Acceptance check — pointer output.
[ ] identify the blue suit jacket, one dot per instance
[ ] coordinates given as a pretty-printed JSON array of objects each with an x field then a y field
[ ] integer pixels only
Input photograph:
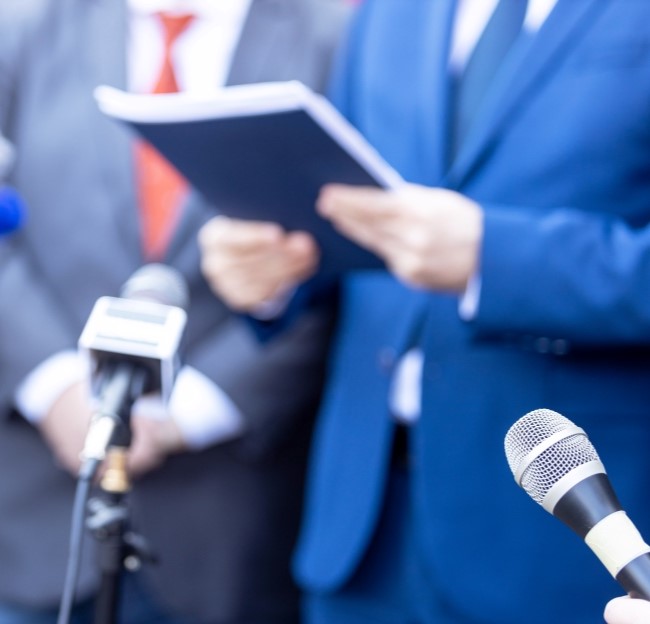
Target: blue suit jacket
[{"x": 560, "y": 160}]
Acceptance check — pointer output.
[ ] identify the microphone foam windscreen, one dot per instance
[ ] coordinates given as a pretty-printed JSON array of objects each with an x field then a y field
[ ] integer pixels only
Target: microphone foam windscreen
[
  {"x": 544, "y": 446},
  {"x": 12, "y": 210}
]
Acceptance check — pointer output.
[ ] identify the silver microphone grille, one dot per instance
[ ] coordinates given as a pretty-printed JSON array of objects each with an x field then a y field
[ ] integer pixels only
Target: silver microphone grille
[
  {"x": 542, "y": 447},
  {"x": 157, "y": 282}
]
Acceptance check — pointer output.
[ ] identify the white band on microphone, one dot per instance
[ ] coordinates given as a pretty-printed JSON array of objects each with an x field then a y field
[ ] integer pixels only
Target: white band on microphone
[
  {"x": 616, "y": 541},
  {"x": 569, "y": 481}
]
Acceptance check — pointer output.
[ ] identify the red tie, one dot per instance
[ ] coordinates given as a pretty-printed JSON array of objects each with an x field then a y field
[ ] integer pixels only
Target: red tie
[{"x": 160, "y": 187}]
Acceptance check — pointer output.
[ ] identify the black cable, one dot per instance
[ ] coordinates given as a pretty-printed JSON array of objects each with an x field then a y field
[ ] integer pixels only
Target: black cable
[{"x": 84, "y": 483}]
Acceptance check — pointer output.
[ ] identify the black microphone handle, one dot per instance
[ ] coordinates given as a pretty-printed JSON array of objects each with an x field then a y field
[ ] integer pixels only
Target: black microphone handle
[
  {"x": 583, "y": 507},
  {"x": 123, "y": 381},
  {"x": 587, "y": 503},
  {"x": 634, "y": 578}
]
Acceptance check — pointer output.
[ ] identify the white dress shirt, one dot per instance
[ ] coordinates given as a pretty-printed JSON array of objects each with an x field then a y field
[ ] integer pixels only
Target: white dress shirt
[
  {"x": 471, "y": 18},
  {"x": 202, "y": 56},
  {"x": 473, "y": 15}
]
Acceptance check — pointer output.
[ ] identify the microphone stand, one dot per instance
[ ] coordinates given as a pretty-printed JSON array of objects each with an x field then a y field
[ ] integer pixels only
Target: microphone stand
[{"x": 120, "y": 550}]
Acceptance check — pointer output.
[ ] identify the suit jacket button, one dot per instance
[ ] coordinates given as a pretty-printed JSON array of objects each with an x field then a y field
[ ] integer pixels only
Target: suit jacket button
[
  {"x": 542, "y": 345},
  {"x": 386, "y": 357},
  {"x": 560, "y": 346}
]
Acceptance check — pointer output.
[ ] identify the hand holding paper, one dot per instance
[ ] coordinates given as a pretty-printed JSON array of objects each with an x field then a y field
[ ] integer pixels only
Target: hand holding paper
[
  {"x": 429, "y": 237},
  {"x": 248, "y": 263},
  {"x": 261, "y": 152}
]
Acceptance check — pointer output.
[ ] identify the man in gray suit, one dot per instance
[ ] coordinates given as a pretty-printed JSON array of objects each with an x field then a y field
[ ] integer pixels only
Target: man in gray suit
[{"x": 220, "y": 475}]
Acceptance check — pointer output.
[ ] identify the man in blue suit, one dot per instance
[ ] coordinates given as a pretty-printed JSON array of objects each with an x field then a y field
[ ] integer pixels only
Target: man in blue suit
[{"x": 523, "y": 269}]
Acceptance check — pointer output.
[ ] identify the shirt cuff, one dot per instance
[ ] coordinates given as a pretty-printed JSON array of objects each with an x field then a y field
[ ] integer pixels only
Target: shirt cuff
[
  {"x": 38, "y": 392},
  {"x": 470, "y": 299},
  {"x": 203, "y": 412},
  {"x": 406, "y": 390},
  {"x": 271, "y": 309}
]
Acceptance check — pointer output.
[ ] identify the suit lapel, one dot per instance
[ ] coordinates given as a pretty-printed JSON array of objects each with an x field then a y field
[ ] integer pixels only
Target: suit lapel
[
  {"x": 434, "y": 114},
  {"x": 106, "y": 33},
  {"x": 522, "y": 74},
  {"x": 106, "y": 36},
  {"x": 269, "y": 22}
]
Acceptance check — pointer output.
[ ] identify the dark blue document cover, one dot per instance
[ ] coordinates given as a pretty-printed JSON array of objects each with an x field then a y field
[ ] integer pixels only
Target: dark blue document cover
[{"x": 269, "y": 165}]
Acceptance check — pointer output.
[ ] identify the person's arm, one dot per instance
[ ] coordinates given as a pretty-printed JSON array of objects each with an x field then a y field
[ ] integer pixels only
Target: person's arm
[
  {"x": 33, "y": 326},
  {"x": 274, "y": 383},
  {"x": 542, "y": 273},
  {"x": 429, "y": 237},
  {"x": 545, "y": 273},
  {"x": 55, "y": 398}
]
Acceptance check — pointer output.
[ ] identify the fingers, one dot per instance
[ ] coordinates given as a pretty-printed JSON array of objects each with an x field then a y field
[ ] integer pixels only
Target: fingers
[
  {"x": 428, "y": 237},
  {"x": 372, "y": 207},
  {"x": 243, "y": 237},
  {"x": 247, "y": 263},
  {"x": 335, "y": 199},
  {"x": 153, "y": 441},
  {"x": 368, "y": 216},
  {"x": 626, "y": 610}
]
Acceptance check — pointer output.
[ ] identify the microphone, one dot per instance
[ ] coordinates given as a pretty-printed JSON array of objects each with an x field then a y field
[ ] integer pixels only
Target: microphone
[
  {"x": 555, "y": 463},
  {"x": 131, "y": 343},
  {"x": 12, "y": 209}
]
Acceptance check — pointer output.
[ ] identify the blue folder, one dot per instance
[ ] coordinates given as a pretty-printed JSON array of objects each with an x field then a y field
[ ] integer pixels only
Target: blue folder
[{"x": 262, "y": 162}]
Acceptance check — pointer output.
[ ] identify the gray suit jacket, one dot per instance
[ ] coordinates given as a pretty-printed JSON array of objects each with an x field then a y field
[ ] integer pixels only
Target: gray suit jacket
[{"x": 222, "y": 521}]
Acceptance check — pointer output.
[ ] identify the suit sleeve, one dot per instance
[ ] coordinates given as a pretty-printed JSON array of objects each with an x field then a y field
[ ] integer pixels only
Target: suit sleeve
[
  {"x": 32, "y": 323},
  {"x": 275, "y": 382},
  {"x": 32, "y": 328},
  {"x": 565, "y": 274}
]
